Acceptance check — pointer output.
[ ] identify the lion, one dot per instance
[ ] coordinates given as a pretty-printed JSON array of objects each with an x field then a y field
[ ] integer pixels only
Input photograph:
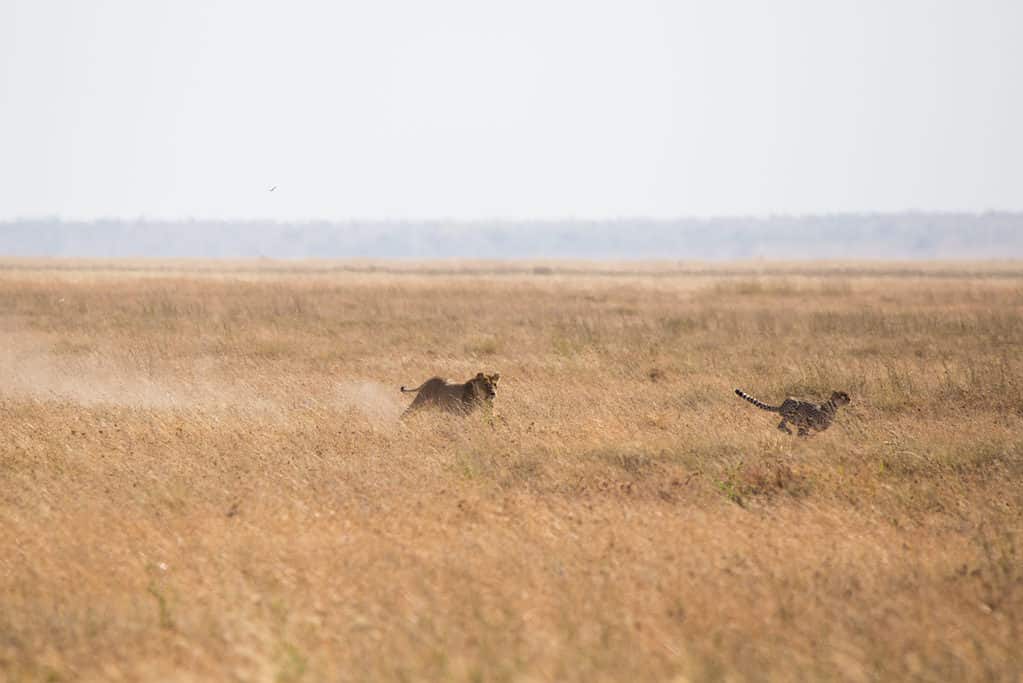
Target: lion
[{"x": 460, "y": 399}]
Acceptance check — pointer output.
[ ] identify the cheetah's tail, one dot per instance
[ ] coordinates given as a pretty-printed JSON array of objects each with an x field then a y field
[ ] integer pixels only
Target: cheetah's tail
[{"x": 758, "y": 404}]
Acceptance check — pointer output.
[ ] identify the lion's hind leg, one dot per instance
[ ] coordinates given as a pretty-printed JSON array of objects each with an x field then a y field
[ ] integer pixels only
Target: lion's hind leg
[{"x": 418, "y": 403}]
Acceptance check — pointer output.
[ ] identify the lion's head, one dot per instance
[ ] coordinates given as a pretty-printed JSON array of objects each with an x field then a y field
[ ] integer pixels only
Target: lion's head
[{"x": 484, "y": 387}]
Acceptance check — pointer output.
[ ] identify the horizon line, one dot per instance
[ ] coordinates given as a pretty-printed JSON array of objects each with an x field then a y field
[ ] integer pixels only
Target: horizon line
[{"x": 518, "y": 219}]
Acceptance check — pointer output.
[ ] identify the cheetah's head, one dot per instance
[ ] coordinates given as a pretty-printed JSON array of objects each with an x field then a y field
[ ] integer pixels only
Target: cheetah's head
[{"x": 840, "y": 398}]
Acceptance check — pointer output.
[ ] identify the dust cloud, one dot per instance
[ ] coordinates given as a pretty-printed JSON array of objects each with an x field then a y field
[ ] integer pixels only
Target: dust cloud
[
  {"x": 29, "y": 368},
  {"x": 379, "y": 403}
]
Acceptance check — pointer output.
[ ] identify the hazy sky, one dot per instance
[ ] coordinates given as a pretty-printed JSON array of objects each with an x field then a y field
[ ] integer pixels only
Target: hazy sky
[{"x": 475, "y": 109}]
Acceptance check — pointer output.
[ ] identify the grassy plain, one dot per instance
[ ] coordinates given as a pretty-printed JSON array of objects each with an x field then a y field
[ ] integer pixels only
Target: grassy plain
[{"x": 203, "y": 475}]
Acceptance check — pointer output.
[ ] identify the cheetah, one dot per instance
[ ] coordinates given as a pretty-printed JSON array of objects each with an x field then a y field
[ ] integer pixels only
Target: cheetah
[{"x": 804, "y": 414}]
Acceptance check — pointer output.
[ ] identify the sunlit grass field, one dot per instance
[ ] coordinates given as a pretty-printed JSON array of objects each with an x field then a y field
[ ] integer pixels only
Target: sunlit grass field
[{"x": 203, "y": 473}]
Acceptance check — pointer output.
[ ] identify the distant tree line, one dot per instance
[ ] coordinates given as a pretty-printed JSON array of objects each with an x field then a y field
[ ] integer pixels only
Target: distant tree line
[{"x": 838, "y": 236}]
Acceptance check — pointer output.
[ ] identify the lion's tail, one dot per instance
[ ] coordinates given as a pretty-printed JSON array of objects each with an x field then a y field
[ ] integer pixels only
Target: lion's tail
[{"x": 412, "y": 391}]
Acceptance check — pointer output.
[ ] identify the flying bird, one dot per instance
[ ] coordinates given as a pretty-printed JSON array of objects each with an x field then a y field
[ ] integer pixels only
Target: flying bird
[{"x": 272, "y": 188}]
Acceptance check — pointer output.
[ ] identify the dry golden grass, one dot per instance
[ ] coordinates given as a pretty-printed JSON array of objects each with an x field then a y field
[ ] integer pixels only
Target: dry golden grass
[{"x": 202, "y": 474}]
